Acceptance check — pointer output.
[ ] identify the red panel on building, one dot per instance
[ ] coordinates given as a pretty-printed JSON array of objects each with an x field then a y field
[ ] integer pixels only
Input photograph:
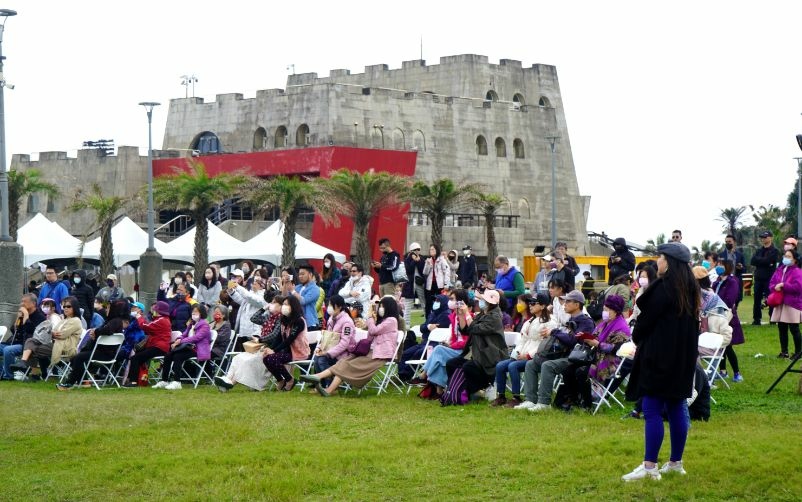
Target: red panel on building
[{"x": 322, "y": 161}]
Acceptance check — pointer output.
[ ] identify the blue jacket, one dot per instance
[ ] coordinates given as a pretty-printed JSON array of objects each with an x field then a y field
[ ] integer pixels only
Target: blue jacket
[
  {"x": 57, "y": 291},
  {"x": 310, "y": 293}
]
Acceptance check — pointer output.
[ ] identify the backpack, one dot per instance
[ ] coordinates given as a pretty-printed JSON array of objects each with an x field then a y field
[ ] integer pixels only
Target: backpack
[
  {"x": 300, "y": 346},
  {"x": 595, "y": 307},
  {"x": 456, "y": 394}
]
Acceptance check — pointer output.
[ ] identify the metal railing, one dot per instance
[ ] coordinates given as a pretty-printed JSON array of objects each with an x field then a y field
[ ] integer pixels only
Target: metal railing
[{"x": 418, "y": 218}]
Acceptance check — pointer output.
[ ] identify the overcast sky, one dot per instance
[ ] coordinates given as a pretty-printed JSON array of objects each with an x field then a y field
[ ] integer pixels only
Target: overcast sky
[{"x": 675, "y": 110}]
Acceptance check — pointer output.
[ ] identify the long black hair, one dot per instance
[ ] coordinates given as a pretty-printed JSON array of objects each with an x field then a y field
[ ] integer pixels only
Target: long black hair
[
  {"x": 390, "y": 309},
  {"x": 297, "y": 310},
  {"x": 682, "y": 284}
]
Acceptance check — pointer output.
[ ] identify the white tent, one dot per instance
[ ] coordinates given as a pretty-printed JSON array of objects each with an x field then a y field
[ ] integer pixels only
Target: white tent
[
  {"x": 42, "y": 240},
  {"x": 269, "y": 242},
  {"x": 130, "y": 241},
  {"x": 222, "y": 247}
]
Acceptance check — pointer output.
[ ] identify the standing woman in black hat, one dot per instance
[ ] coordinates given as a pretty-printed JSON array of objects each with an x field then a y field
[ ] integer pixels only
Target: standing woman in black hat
[{"x": 666, "y": 334}]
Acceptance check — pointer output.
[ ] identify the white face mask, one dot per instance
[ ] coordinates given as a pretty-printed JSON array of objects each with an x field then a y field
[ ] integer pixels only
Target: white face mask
[
  {"x": 327, "y": 263},
  {"x": 643, "y": 281},
  {"x": 466, "y": 252},
  {"x": 179, "y": 281},
  {"x": 245, "y": 269},
  {"x": 330, "y": 310},
  {"x": 381, "y": 311},
  {"x": 46, "y": 310},
  {"x": 196, "y": 317},
  {"x": 286, "y": 310},
  {"x": 452, "y": 304}
]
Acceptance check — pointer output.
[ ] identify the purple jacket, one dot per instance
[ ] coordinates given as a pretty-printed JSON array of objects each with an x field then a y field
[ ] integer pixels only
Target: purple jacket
[
  {"x": 792, "y": 285},
  {"x": 202, "y": 339},
  {"x": 337, "y": 324},
  {"x": 728, "y": 291}
]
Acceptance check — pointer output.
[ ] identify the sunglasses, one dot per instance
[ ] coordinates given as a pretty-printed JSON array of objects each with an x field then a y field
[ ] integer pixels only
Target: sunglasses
[
  {"x": 66, "y": 306},
  {"x": 675, "y": 237}
]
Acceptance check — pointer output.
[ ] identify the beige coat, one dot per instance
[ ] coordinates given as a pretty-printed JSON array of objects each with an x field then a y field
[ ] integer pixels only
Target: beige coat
[{"x": 66, "y": 345}]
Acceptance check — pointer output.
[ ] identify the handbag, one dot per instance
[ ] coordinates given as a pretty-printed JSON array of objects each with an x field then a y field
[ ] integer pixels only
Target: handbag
[
  {"x": 362, "y": 347},
  {"x": 419, "y": 280},
  {"x": 582, "y": 354},
  {"x": 328, "y": 340},
  {"x": 400, "y": 274},
  {"x": 552, "y": 348},
  {"x": 259, "y": 317},
  {"x": 252, "y": 347},
  {"x": 775, "y": 298}
]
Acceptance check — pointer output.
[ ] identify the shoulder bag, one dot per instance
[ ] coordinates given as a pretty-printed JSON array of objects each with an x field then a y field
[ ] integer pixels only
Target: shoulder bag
[{"x": 582, "y": 354}]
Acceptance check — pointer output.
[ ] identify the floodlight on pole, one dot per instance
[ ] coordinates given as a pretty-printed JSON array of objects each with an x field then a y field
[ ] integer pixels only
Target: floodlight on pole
[
  {"x": 150, "y": 261},
  {"x": 149, "y": 106},
  {"x": 4, "y": 230}
]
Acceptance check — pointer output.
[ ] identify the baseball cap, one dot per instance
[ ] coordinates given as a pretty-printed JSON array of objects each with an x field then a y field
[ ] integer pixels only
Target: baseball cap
[
  {"x": 574, "y": 296},
  {"x": 765, "y": 234},
  {"x": 238, "y": 272},
  {"x": 490, "y": 296},
  {"x": 414, "y": 246}
]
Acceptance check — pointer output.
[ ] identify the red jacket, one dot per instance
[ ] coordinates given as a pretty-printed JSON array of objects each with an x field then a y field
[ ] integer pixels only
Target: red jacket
[{"x": 159, "y": 333}]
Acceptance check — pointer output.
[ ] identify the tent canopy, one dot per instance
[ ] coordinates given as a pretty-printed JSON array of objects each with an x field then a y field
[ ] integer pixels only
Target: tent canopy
[
  {"x": 222, "y": 247},
  {"x": 269, "y": 241},
  {"x": 44, "y": 240},
  {"x": 130, "y": 241}
]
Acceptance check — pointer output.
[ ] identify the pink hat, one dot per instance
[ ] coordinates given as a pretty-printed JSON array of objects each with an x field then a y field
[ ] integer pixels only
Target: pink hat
[{"x": 490, "y": 296}]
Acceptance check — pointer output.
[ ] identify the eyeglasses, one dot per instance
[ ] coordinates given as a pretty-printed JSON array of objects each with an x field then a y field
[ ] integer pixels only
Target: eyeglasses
[
  {"x": 675, "y": 237},
  {"x": 66, "y": 306}
]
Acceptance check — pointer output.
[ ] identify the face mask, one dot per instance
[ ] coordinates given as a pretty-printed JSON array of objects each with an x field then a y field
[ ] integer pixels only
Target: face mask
[
  {"x": 787, "y": 261},
  {"x": 180, "y": 297},
  {"x": 552, "y": 265},
  {"x": 482, "y": 304},
  {"x": 436, "y": 305},
  {"x": 706, "y": 264},
  {"x": 218, "y": 316},
  {"x": 720, "y": 270},
  {"x": 98, "y": 307},
  {"x": 643, "y": 281},
  {"x": 788, "y": 247},
  {"x": 728, "y": 246},
  {"x": 452, "y": 304},
  {"x": 499, "y": 271},
  {"x": 452, "y": 257},
  {"x": 520, "y": 307},
  {"x": 466, "y": 252},
  {"x": 327, "y": 263},
  {"x": 354, "y": 314},
  {"x": 110, "y": 283},
  {"x": 179, "y": 281},
  {"x": 76, "y": 280},
  {"x": 286, "y": 310},
  {"x": 245, "y": 269},
  {"x": 330, "y": 310},
  {"x": 471, "y": 295},
  {"x": 605, "y": 315},
  {"x": 385, "y": 252},
  {"x": 381, "y": 311},
  {"x": 46, "y": 310},
  {"x": 196, "y": 317}
]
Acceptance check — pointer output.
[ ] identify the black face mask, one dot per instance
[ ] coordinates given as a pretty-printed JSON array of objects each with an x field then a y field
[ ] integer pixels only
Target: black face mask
[
  {"x": 180, "y": 297},
  {"x": 385, "y": 252},
  {"x": 729, "y": 246}
]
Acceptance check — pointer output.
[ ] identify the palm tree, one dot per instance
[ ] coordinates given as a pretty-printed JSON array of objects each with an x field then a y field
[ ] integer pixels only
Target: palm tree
[
  {"x": 699, "y": 252},
  {"x": 290, "y": 195},
  {"x": 106, "y": 210},
  {"x": 359, "y": 196},
  {"x": 489, "y": 205},
  {"x": 438, "y": 199},
  {"x": 770, "y": 218},
  {"x": 197, "y": 193},
  {"x": 731, "y": 217},
  {"x": 651, "y": 244},
  {"x": 22, "y": 184}
]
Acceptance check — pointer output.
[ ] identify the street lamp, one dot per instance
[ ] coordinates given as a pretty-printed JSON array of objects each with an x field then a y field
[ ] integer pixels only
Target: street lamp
[
  {"x": 553, "y": 141},
  {"x": 150, "y": 261},
  {"x": 798, "y": 196},
  {"x": 10, "y": 252}
]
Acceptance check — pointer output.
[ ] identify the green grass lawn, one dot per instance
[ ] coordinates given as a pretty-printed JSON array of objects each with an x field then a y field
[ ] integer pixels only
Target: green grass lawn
[{"x": 203, "y": 445}]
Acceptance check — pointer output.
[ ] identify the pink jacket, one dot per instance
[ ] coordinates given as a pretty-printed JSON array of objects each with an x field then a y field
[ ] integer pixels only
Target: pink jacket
[
  {"x": 202, "y": 338},
  {"x": 386, "y": 337},
  {"x": 458, "y": 340},
  {"x": 792, "y": 285},
  {"x": 338, "y": 324}
]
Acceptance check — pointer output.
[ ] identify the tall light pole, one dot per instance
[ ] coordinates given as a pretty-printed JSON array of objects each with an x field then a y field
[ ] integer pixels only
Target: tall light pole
[
  {"x": 10, "y": 252},
  {"x": 150, "y": 261},
  {"x": 798, "y": 196},
  {"x": 553, "y": 141}
]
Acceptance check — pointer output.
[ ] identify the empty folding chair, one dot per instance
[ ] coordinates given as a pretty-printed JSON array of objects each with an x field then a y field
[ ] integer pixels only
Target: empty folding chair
[
  {"x": 113, "y": 342},
  {"x": 436, "y": 337},
  {"x": 713, "y": 342}
]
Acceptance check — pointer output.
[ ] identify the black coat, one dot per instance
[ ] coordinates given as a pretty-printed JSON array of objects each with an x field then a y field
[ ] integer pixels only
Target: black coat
[
  {"x": 85, "y": 295},
  {"x": 667, "y": 346}
]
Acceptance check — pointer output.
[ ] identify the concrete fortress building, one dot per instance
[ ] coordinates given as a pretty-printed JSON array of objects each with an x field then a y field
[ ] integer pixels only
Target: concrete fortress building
[{"x": 465, "y": 119}]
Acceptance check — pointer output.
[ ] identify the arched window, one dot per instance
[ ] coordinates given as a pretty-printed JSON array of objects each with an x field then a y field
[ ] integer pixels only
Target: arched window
[
  {"x": 280, "y": 138},
  {"x": 302, "y": 135},
  {"x": 544, "y": 101},
  {"x": 518, "y": 99},
  {"x": 51, "y": 204},
  {"x": 206, "y": 142},
  {"x": 418, "y": 140},
  {"x": 501, "y": 148},
  {"x": 399, "y": 143},
  {"x": 491, "y": 96},
  {"x": 481, "y": 145},
  {"x": 259, "y": 139},
  {"x": 518, "y": 148}
]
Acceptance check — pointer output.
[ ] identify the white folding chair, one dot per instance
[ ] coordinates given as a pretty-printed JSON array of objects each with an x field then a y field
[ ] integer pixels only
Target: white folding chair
[
  {"x": 714, "y": 343},
  {"x": 608, "y": 391},
  {"x": 388, "y": 374},
  {"x": 511, "y": 338},
  {"x": 306, "y": 366},
  {"x": 201, "y": 367},
  {"x": 222, "y": 367},
  {"x": 436, "y": 337},
  {"x": 114, "y": 342}
]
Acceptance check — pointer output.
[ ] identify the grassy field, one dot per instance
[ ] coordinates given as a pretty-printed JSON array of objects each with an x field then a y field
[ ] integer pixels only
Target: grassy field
[{"x": 203, "y": 445}]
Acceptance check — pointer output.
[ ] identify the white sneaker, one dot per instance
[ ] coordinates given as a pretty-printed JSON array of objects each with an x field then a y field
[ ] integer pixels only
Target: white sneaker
[
  {"x": 540, "y": 407},
  {"x": 176, "y": 385},
  {"x": 642, "y": 472},
  {"x": 677, "y": 467},
  {"x": 160, "y": 385},
  {"x": 526, "y": 405}
]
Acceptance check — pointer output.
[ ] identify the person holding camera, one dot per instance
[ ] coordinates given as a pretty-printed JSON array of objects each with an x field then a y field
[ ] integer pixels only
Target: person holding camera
[
  {"x": 415, "y": 286},
  {"x": 552, "y": 358},
  {"x": 621, "y": 261}
]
